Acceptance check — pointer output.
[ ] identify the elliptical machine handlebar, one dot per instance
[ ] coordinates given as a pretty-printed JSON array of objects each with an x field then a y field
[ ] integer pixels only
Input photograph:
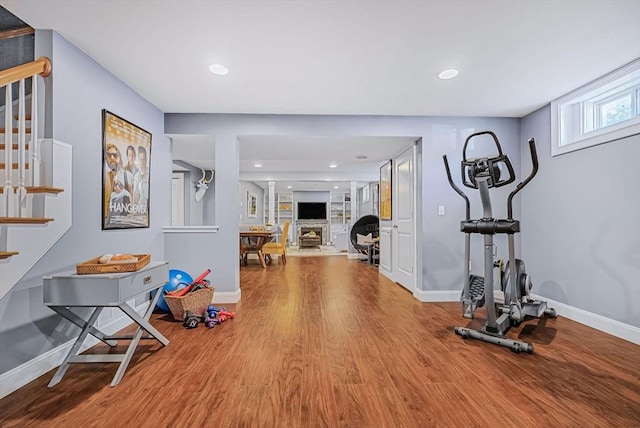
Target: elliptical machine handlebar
[
  {"x": 519, "y": 187},
  {"x": 456, "y": 188},
  {"x": 495, "y": 140}
]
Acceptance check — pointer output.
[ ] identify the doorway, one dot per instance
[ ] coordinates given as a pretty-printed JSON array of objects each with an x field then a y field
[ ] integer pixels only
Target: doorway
[{"x": 398, "y": 255}]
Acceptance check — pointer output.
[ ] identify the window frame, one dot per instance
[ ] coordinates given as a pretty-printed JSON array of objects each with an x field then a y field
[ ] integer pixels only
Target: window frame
[{"x": 576, "y": 115}]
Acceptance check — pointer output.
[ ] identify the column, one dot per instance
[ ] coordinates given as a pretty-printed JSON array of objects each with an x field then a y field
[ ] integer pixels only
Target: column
[
  {"x": 223, "y": 253},
  {"x": 354, "y": 203},
  {"x": 272, "y": 202}
]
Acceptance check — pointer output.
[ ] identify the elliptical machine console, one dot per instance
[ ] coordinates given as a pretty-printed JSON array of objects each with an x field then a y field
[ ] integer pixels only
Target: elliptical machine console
[{"x": 484, "y": 173}]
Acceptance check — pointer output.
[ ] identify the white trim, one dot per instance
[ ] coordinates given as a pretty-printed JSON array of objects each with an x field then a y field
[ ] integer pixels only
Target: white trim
[
  {"x": 34, "y": 241},
  {"x": 604, "y": 324},
  {"x": 227, "y": 296},
  {"x": 437, "y": 295},
  {"x": 20, "y": 376},
  {"x": 190, "y": 229}
]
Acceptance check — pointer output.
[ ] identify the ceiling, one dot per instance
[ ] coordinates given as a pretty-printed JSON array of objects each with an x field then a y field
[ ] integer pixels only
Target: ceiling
[{"x": 367, "y": 57}]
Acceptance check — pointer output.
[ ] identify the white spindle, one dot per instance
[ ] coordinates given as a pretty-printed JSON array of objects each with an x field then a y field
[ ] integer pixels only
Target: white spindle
[
  {"x": 8, "y": 153},
  {"x": 22, "y": 154},
  {"x": 35, "y": 144}
]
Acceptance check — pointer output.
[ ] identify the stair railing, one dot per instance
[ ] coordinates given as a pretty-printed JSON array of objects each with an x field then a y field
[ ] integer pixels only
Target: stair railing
[{"x": 14, "y": 201}]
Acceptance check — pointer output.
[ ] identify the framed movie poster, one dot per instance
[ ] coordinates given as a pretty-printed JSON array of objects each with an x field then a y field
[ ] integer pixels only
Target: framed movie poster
[
  {"x": 385, "y": 191},
  {"x": 126, "y": 150}
]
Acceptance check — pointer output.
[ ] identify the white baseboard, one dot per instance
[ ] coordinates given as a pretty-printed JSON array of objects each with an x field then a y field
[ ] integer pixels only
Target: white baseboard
[
  {"x": 227, "y": 296},
  {"x": 607, "y": 325},
  {"x": 437, "y": 295},
  {"x": 604, "y": 324},
  {"x": 31, "y": 370}
]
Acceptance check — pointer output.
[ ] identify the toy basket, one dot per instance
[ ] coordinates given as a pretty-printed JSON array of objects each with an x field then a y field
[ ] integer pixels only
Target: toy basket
[{"x": 195, "y": 301}]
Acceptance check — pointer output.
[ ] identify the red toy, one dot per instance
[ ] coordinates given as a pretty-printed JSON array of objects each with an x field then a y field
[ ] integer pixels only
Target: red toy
[
  {"x": 231, "y": 315},
  {"x": 198, "y": 282}
]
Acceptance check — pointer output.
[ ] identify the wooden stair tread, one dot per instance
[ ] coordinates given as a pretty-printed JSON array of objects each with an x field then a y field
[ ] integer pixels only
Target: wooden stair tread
[
  {"x": 14, "y": 131},
  {"x": 7, "y": 254},
  {"x": 38, "y": 189},
  {"x": 13, "y": 165},
  {"x": 26, "y": 118},
  {"x": 14, "y": 146},
  {"x": 24, "y": 220}
]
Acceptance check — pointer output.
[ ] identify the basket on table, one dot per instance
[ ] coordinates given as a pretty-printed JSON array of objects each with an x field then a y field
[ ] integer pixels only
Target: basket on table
[{"x": 195, "y": 301}]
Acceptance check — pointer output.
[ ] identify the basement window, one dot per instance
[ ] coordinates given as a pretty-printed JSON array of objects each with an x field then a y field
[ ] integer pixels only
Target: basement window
[{"x": 602, "y": 111}]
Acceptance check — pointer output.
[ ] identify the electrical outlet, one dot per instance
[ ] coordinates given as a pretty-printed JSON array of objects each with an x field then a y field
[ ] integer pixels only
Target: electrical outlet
[{"x": 440, "y": 209}]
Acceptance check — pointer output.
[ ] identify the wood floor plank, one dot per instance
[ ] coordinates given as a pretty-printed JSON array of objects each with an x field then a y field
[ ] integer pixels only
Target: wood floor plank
[{"x": 328, "y": 342}]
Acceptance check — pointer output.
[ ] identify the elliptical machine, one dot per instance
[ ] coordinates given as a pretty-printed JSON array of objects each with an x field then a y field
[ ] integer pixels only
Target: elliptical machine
[{"x": 485, "y": 173}]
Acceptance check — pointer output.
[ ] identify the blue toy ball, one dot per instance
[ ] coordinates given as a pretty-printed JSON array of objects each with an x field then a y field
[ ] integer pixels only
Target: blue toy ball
[{"x": 177, "y": 279}]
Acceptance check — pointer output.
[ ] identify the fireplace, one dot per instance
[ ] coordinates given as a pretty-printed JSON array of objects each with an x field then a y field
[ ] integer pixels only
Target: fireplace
[
  {"x": 321, "y": 231},
  {"x": 316, "y": 230}
]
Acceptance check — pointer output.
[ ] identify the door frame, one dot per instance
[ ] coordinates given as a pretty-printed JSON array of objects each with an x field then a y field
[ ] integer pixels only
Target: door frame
[{"x": 388, "y": 261}]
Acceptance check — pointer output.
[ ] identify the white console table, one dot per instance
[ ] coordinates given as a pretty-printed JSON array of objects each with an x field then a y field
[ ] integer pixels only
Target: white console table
[{"x": 66, "y": 290}]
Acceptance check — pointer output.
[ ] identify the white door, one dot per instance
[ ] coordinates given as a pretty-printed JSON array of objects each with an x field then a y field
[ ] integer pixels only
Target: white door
[
  {"x": 403, "y": 233},
  {"x": 385, "y": 266},
  {"x": 177, "y": 199}
]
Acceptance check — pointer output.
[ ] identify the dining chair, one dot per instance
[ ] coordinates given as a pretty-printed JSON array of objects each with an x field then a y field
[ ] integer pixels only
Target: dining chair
[{"x": 279, "y": 248}]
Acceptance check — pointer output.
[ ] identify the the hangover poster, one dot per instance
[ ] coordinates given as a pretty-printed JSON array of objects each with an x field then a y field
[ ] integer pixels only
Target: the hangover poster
[{"x": 126, "y": 169}]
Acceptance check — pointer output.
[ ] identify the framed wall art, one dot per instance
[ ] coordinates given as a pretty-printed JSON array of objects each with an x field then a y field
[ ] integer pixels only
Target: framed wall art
[
  {"x": 385, "y": 191},
  {"x": 126, "y": 153},
  {"x": 252, "y": 205}
]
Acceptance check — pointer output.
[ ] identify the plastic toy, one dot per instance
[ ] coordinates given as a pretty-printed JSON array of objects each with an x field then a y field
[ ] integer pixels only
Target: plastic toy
[
  {"x": 191, "y": 320},
  {"x": 193, "y": 285},
  {"x": 231, "y": 315},
  {"x": 177, "y": 279}
]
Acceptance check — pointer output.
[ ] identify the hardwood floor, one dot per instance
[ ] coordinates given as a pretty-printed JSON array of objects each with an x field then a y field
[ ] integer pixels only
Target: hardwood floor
[{"x": 327, "y": 342}]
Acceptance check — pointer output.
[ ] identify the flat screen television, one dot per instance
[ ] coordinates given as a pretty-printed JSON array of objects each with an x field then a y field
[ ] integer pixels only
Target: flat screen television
[{"x": 312, "y": 210}]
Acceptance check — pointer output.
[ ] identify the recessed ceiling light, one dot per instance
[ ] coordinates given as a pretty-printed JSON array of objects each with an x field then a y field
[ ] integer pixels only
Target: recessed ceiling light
[
  {"x": 218, "y": 69},
  {"x": 361, "y": 157},
  {"x": 336, "y": 187},
  {"x": 448, "y": 74},
  {"x": 289, "y": 187},
  {"x": 333, "y": 165},
  {"x": 257, "y": 165}
]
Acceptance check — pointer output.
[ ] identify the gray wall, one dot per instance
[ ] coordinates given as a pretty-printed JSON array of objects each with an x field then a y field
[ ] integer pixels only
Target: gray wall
[
  {"x": 442, "y": 245},
  {"x": 197, "y": 213},
  {"x": 365, "y": 208},
  {"x": 580, "y": 224},
  {"x": 249, "y": 186},
  {"x": 80, "y": 89}
]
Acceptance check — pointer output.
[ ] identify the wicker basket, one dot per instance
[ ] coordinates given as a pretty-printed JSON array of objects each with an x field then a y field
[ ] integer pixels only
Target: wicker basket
[
  {"x": 93, "y": 266},
  {"x": 196, "y": 302}
]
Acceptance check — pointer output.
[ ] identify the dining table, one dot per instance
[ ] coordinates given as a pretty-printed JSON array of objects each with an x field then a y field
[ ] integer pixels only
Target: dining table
[{"x": 261, "y": 238}]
